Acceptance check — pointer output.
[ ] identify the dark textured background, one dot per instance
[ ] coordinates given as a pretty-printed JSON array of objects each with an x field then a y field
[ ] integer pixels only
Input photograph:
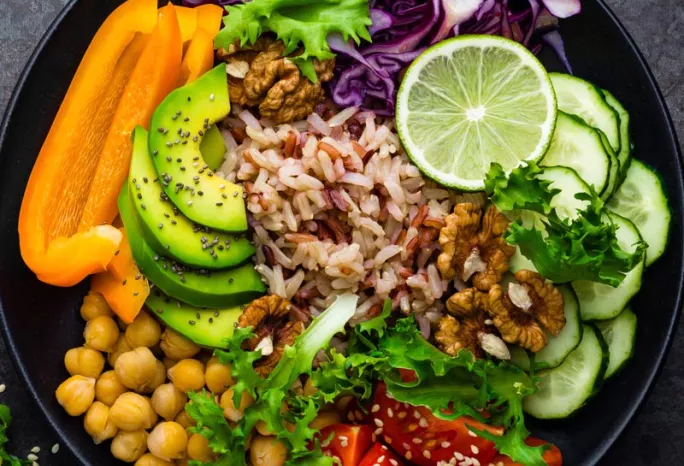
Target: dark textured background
[{"x": 657, "y": 435}]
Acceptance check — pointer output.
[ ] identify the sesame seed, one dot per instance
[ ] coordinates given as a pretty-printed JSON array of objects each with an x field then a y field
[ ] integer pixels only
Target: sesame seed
[
  {"x": 472, "y": 434},
  {"x": 31, "y": 457},
  {"x": 350, "y": 416},
  {"x": 401, "y": 415},
  {"x": 423, "y": 422},
  {"x": 408, "y": 455},
  {"x": 211, "y": 97},
  {"x": 446, "y": 444},
  {"x": 381, "y": 459},
  {"x": 417, "y": 440},
  {"x": 390, "y": 413},
  {"x": 35, "y": 449},
  {"x": 378, "y": 422},
  {"x": 378, "y": 431},
  {"x": 393, "y": 462},
  {"x": 3, "y": 387},
  {"x": 417, "y": 415},
  {"x": 426, "y": 453},
  {"x": 474, "y": 449},
  {"x": 375, "y": 408},
  {"x": 458, "y": 456},
  {"x": 406, "y": 446},
  {"x": 388, "y": 440},
  {"x": 476, "y": 462}
]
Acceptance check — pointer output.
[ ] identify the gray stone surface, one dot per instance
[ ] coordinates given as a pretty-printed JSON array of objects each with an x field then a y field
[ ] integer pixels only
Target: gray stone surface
[{"x": 656, "y": 438}]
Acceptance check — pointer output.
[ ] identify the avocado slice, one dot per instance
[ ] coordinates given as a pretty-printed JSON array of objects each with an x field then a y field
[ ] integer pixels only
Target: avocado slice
[
  {"x": 213, "y": 148},
  {"x": 177, "y": 128},
  {"x": 206, "y": 327},
  {"x": 228, "y": 287},
  {"x": 170, "y": 232}
]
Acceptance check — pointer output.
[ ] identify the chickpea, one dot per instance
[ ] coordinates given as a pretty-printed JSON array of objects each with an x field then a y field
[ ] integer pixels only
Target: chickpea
[
  {"x": 176, "y": 346},
  {"x": 132, "y": 412},
  {"x": 144, "y": 331},
  {"x": 129, "y": 446},
  {"x": 169, "y": 363},
  {"x": 185, "y": 419},
  {"x": 108, "y": 388},
  {"x": 325, "y": 419},
  {"x": 168, "y": 401},
  {"x": 198, "y": 448},
  {"x": 98, "y": 424},
  {"x": 187, "y": 375},
  {"x": 168, "y": 441},
  {"x": 101, "y": 334},
  {"x": 148, "y": 459},
  {"x": 159, "y": 378},
  {"x": 217, "y": 376},
  {"x": 136, "y": 368},
  {"x": 267, "y": 451},
  {"x": 228, "y": 405},
  {"x": 120, "y": 348},
  {"x": 95, "y": 305},
  {"x": 84, "y": 361},
  {"x": 76, "y": 394}
]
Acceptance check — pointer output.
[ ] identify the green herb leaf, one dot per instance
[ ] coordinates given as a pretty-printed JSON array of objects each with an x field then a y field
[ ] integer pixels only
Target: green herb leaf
[
  {"x": 5, "y": 457},
  {"x": 562, "y": 250},
  {"x": 300, "y": 24}
]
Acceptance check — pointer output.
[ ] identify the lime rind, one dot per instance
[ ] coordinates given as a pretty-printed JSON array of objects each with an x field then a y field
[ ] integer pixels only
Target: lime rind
[{"x": 473, "y": 100}]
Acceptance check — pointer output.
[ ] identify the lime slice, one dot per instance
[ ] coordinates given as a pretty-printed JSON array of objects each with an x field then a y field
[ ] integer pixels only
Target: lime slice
[{"x": 473, "y": 100}]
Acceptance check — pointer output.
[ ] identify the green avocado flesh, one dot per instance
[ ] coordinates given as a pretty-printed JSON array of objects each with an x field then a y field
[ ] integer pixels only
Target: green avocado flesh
[
  {"x": 170, "y": 232},
  {"x": 213, "y": 148},
  {"x": 206, "y": 327},
  {"x": 197, "y": 287},
  {"x": 176, "y": 131}
]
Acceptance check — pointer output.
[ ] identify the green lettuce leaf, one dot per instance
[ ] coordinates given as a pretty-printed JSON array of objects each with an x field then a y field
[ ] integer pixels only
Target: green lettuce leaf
[
  {"x": 5, "y": 457},
  {"x": 562, "y": 250},
  {"x": 300, "y": 24}
]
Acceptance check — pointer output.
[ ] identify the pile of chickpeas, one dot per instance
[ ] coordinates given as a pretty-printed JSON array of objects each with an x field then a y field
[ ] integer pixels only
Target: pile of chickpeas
[{"x": 139, "y": 403}]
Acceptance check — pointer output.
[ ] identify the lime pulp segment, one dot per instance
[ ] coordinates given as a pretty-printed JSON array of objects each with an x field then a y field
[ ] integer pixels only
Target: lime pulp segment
[{"x": 471, "y": 101}]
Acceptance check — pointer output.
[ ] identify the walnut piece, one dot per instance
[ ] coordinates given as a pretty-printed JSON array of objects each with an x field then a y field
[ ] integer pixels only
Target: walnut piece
[
  {"x": 259, "y": 75},
  {"x": 467, "y": 303},
  {"x": 453, "y": 335},
  {"x": 268, "y": 318},
  {"x": 473, "y": 246},
  {"x": 527, "y": 310}
]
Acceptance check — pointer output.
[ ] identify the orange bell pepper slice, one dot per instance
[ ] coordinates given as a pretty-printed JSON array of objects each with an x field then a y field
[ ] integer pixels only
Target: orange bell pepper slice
[
  {"x": 209, "y": 18},
  {"x": 198, "y": 59},
  {"x": 59, "y": 185},
  {"x": 154, "y": 76},
  {"x": 123, "y": 286}
]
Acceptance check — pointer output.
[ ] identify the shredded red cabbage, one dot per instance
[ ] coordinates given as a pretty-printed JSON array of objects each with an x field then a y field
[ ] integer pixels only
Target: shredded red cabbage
[{"x": 368, "y": 76}]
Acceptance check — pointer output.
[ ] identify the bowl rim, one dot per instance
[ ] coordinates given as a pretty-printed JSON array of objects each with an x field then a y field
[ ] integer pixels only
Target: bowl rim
[{"x": 607, "y": 442}]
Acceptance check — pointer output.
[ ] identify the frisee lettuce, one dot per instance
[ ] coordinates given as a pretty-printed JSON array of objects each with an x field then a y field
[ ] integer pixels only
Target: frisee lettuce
[
  {"x": 300, "y": 24},
  {"x": 5, "y": 421},
  {"x": 271, "y": 393},
  {"x": 563, "y": 250}
]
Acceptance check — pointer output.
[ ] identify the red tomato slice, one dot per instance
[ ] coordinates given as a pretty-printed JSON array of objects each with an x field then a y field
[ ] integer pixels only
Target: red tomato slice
[
  {"x": 380, "y": 455},
  {"x": 552, "y": 456},
  {"x": 424, "y": 439},
  {"x": 348, "y": 443}
]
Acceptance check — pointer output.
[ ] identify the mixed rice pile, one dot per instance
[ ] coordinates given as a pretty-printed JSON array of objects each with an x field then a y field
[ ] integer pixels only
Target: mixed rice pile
[{"x": 337, "y": 207}]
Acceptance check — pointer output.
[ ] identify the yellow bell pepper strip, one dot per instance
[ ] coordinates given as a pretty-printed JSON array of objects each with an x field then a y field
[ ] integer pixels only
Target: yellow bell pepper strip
[
  {"x": 198, "y": 59},
  {"x": 154, "y": 76},
  {"x": 209, "y": 18},
  {"x": 59, "y": 185},
  {"x": 123, "y": 286}
]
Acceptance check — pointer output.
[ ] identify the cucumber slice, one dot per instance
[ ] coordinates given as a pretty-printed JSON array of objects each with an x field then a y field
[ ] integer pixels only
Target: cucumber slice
[
  {"x": 641, "y": 198},
  {"x": 603, "y": 302},
  {"x": 580, "y": 147},
  {"x": 614, "y": 173},
  {"x": 620, "y": 335},
  {"x": 558, "y": 347},
  {"x": 625, "y": 154},
  {"x": 566, "y": 388},
  {"x": 581, "y": 98}
]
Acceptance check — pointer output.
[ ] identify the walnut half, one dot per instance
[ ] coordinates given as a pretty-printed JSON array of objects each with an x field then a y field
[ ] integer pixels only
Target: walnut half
[
  {"x": 259, "y": 75},
  {"x": 268, "y": 318},
  {"x": 526, "y": 310}
]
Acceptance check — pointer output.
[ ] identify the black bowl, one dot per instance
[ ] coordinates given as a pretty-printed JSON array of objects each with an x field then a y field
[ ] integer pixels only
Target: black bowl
[{"x": 41, "y": 322}]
